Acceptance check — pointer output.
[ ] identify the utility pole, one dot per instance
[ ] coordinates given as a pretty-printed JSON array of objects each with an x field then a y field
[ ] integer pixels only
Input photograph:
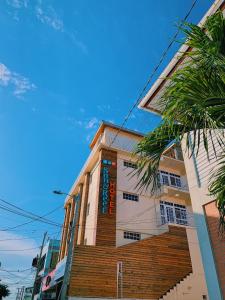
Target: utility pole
[
  {"x": 63, "y": 291},
  {"x": 20, "y": 293},
  {"x": 38, "y": 264}
]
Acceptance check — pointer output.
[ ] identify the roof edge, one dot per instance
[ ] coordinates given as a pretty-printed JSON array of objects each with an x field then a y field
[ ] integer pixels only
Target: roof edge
[{"x": 156, "y": 87}]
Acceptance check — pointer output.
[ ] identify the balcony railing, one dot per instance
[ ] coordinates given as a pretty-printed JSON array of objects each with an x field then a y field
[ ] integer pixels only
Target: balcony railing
[
  {"x": 174, "y": 153},
  {"x": 172, "y": 213},
  {"x": 182, "y": 187}
]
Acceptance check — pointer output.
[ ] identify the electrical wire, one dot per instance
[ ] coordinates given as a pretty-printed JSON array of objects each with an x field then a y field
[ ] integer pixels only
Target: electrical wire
[
  {"x": 15, "y": 250},
  {"x": 25, "y": 213},
  {"x": 32, "y": 221},
  {"x": 15, "y": 271},
  {"x": 22, "y": 279},
  {"x": 4, "y": 240},
  {"x": 139, "y": 98},
  {"x": 12, "y": 273}
]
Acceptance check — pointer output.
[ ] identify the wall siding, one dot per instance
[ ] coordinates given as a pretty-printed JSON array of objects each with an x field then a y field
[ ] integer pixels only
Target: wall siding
[
  {"x": 106, "y": 222},
  {"x": 150, "y": 267}
]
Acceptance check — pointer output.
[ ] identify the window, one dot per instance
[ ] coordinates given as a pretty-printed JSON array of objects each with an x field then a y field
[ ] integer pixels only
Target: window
[
  {"x": 131, "y": 197},
  {"x": 90, "y": 178},
  {"x": 54, "y": 259},
  {"x": 132, "y": 235},
  {"x": 88, "y": 209},
  {"x": 173, "y": 213},
  {"x": 129, "y": 164},
  {"x": 170, "y": 179}
]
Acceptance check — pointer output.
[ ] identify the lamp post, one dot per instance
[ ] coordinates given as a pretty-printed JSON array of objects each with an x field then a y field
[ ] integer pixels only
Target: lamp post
[{"x": 63, "y": 290}]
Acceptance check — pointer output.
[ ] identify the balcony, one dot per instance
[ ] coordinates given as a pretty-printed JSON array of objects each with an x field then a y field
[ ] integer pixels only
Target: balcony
[
  {"x": 173, "y": 159},
  {"x": 181, "y": 192},
  {"x": 171, "y": 213}
]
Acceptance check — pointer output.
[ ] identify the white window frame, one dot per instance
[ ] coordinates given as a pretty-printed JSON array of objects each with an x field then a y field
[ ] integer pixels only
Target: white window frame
[
  {"x": 173, "y": 213},
  {"x": 170, "y": 179}
]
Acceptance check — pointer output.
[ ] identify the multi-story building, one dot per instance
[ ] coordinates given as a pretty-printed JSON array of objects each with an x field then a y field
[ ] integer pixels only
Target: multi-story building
[
  {"x": 129, "y": 243},
  {"x": 43, "y": 286},
  {"x": 198, "y": 169},
  {"x": 28, "y": 293}
]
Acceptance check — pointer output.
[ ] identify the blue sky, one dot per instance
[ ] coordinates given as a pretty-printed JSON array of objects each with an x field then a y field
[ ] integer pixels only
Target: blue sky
[{"x": 65, "y": 66}]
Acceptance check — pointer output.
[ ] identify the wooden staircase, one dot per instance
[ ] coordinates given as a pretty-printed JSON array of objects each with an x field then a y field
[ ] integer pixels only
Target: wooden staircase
[
  {"x": 173, "y": 293},
  {"x": 151, "y": 267}
]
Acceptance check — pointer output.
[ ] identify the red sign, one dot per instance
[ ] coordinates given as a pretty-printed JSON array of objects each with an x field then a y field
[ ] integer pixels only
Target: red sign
[{"x": 48, "y": 281}]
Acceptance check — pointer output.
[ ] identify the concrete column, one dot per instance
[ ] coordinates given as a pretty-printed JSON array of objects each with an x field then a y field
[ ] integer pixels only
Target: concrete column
[
  {"x": 66, "y": 228},
  {"x": 83, "y": 208}
]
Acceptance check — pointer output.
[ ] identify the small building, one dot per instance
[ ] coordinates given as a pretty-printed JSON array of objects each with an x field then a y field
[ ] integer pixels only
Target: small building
[
  {"x": 47, "y": 264},
  {"x": 129, "y": 243},
  {"x": 28, "y": 293}
]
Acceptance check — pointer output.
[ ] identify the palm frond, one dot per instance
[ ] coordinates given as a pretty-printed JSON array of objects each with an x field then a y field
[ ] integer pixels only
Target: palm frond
[
  {"x": 193, "y": 107},
  {"x": 150, "y": 150}
]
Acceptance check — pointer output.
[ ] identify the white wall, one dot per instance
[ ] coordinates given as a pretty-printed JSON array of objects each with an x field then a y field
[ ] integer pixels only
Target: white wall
[
  {"x": 91, "y": 220},
  {"x": 198, "y": 171},
  {"x": 123, "y": 140},
  {"x": 142, "y": 216}
]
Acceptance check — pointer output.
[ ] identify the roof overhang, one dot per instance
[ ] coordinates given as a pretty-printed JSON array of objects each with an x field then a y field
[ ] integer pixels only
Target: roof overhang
[
  {"x": 105, "y": 124},
  {"x": 149, "y": 102}
]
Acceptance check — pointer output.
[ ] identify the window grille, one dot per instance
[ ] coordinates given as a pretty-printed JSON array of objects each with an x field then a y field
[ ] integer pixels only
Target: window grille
[
  {"x": 131, "y": 197},
  {"x": 129, "y": 164},
  {"x": 173, "y": 213},
  {"x": 132, "y": 235},
  {"x": 170, "y": 179}
]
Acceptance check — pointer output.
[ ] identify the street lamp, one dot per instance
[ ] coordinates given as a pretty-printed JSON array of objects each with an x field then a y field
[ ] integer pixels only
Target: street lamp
[
  {"x": 61, "y": 193},
  {"x": 76, "y": 199}
]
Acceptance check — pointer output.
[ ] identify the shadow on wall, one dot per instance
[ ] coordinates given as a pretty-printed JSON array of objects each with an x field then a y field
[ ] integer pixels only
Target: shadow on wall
[{"x": 217, "y": 241}]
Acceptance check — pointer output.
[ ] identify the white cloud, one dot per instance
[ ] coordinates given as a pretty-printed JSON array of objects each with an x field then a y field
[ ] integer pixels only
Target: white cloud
[
  {"x": 103, "y": 107},
  {"x": 88, "y": 138},
  {"x": 75, "y": 122},
  {"x": 13, "y": 260},
  {"x": 5, "y": 75},
  {"x": 49, "y": 17},
  {"x": 82, "y": 110},
  {"x": 77, "y": 42},
  {"x": 19, "y": 83},
  {"x": 18, "y": 3},
  {"x": 15, "y": 242},
  {"x": 92, "y": 123}
]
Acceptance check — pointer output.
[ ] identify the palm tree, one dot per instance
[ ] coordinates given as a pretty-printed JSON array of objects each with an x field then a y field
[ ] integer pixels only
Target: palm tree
[
  {"x": 192, "y": 106},
  {"x": 4, "y": 291}
]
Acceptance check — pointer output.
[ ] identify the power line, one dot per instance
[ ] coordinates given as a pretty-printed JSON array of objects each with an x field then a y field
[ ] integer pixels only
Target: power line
[
  {"x": 4, "y": 240},
  {"x": 15, "y": 271},
  {"x": 25, "y": 211},
  {"x": 21, "y": 212},
  {"x": 26, "y": 216},
  {"x": 152, "y": 75},
  {"x": 148, "y": 81},
  {"x": 22, "y": 279},
  {"x": 26, "y": 223},
  {"x": 12, "y": 273},
  {"x": 15, "y": 250}
]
